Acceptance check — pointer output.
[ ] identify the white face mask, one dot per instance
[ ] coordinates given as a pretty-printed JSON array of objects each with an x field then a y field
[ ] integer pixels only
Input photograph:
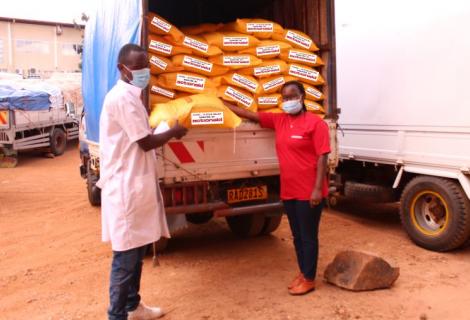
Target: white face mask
[{"x": 292, "y": 106}]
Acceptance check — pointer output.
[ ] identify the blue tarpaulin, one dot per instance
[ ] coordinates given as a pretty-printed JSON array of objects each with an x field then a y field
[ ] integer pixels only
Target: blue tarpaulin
[
  {"x": 21, "y": 99},
  {"x": 112, "y": 25}
]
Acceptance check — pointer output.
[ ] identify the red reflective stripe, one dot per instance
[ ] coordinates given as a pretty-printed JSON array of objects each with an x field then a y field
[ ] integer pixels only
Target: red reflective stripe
[
  {"x": 181, "y": 152},
  {"x": 201, "y": 144}
]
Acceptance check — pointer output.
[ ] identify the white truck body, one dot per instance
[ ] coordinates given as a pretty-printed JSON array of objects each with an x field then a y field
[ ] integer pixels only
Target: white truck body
[{"x": 402, "y": 77}]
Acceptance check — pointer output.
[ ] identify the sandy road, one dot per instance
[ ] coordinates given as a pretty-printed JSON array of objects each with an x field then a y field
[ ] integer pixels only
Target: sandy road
[{"x": 53, "y": 265}]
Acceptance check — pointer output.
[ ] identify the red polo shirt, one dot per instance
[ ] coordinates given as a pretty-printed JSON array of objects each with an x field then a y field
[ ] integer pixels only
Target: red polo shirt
[{"x": 300, "y": 141}]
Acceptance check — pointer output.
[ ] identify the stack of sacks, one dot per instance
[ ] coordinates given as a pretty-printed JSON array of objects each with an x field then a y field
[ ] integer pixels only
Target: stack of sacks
[{"x": 244, "y": 62}]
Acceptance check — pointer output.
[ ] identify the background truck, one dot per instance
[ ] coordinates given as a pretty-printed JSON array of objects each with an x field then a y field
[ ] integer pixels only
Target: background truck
[
  {"x": 404, "y": 135},
  {"x": 210, "y": 172}
]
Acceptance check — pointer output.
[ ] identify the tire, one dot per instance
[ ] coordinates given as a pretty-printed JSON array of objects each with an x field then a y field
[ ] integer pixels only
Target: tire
[
  {"x": 94, "y": 193},
  {"x": 369, "y": 192},
  {"x": 199, "y": 218},
  {"x": 58, "y": 142},
  {"x": 271, "y": 223},
  {"x": 246, "y": 225},
  {"x": 435, "y": 213}
]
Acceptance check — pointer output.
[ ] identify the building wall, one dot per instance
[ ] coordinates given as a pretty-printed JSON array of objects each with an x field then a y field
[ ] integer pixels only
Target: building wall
[{"x": 26, "y": 46}]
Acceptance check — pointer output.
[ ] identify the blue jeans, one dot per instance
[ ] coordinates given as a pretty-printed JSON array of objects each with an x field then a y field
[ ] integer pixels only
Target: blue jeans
[
  {"x": 126, "y": 270},
  {"x": 304, "y": 221}
]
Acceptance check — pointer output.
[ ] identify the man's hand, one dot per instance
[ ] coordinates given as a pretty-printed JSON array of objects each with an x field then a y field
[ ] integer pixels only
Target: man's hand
[
  {"x": 178, "y": 131},
  {"x": 316, "y": 198}
]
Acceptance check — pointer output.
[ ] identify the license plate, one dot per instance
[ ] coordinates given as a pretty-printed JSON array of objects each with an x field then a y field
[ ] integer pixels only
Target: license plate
[{"x": 247, "y": 194}]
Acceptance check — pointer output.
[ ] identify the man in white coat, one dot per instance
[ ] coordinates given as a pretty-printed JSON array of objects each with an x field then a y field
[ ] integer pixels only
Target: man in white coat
[{"x": 132, "y": 206}]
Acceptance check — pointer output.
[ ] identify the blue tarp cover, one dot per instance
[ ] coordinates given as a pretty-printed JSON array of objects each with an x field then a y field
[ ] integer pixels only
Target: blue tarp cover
[
  {"x": 20, "y": 99},
  {"x": 112, "y": 25}
]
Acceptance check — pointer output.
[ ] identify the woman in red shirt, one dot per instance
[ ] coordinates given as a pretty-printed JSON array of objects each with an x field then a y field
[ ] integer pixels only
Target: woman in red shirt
[{"x": 302, "y": 145}]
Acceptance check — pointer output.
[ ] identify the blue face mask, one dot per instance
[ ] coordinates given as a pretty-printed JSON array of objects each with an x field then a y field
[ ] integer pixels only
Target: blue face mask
[
  {"x": 140, "y": 78},
  {"x": 292, "y": 106}
]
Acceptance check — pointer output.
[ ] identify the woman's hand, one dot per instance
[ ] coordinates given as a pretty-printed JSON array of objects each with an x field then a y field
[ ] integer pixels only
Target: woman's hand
[{"x": 316, "y": 198}]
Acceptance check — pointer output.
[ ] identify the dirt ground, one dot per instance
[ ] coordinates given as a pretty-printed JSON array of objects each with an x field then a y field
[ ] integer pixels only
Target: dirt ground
[{"x": 53, "y": 265}]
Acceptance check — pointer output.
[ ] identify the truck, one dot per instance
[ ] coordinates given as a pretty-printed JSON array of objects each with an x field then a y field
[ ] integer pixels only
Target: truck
[
  {"x": 210, "y": 173},
  {"x": 47, "y": 126}
]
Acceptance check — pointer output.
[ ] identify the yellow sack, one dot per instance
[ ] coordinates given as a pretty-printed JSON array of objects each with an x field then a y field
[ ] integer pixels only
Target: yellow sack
[
  {"x": 159, "y": 90},
  {"x": 266, "y": 69},
  {"x": 156, "y": 98},
  {"x": 186, "y": 82},
  {"x": 273, "y": 110},
  {"x": 198, "y": 65},
  {"x": 297, "y": 39},
  {"x": 202, "y": 28},
  {"x": 195, "y": 111},
  {"x": 313, "y": 93},
  {"x": 268, "y": 101},
  {"x": 162, "y": 47},
  {"x": 197, "y": 44},
  {"x": 242, "y": 81},
  {"x": 274, "y": 84},
  {"x": 236, "y": 60},
  {"x": 159, "y": 26},
  {"x": 305, "y": 74},
  {"x": 267, "y": 49},
  {"x": 243, "y": 98},
  {"x": 260, "y": 28},
  {"x": 230, "y": 41},
  {"x": 161, "y": 64},
  {"x": 301, "y": 56},
  {"x": 314, "y": 107}
]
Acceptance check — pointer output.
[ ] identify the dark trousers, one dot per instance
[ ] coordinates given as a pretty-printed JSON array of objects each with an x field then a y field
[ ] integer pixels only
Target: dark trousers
[
  {"x": 304, "y": 221},
  {"x": 126, "y": 270}
]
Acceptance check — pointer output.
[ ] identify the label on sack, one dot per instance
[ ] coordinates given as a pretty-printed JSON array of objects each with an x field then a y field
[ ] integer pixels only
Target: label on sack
[
  {"x": 274, "y": 83},
  {"x": 158, "y": 62},
  {"x": 236, "y": 60},
  {"x": 195, "y": 44},
  {"x": 244, "y": 82},
  {"x": 202, "y": 118},
  {"x": 312, "y": 106},
  {"x": 300, "y": 72},
  {"x": 238, "y": 96},
  {"x": 259, "y": 71},
  {"x": 317, "y": 94},
  {"x": 298, "y": 39},
  {"x": 197, "y": 63},
  {"x": 162, "y": 25},
  {"x": 162, "y": 92},
  {"x": 236, "y": 41},
  {"x": 186, "y": 81},
  {"x": 260, "y": 27},
  {"x": 268, "y": 50},
  {"x": 302, "y": 56},
  {"x": 267, "y": 100},
  {"x": 160, "y": 47}
]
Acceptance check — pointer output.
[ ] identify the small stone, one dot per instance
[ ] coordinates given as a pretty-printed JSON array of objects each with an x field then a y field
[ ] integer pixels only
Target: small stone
[{"x": 358, "y": 271}]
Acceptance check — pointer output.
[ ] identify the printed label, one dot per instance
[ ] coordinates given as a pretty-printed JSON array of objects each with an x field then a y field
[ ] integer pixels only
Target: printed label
[
  {"x": 197, "y": 63},
  {"x": 244, "y": 82},
  {"x": 236, "y": 60},
  {"x": 302, "y": 56},
  {"x": 238, "y": 96},
  {"x": 312, "y": 106},
  {"x": 298, "y": 39},
  {"x": 185, "y": 81},
  {"x": 260, "y": 27},
  {"x": 162, "y": 25},
  {"x": 274, "y": 83},
  {"x": 202, "y": 118},
  {"x": 158, "y": 63},
  {"x": 160, "y": 47},
  {"x": 236, "y": 42},
  {"x": 314, "y": 92},
  {"x": 162, "y": 92},
  {"x": 259, "y": 71},
  {"x": 195, "y": 44},
  {"x": 268, "y": 50},
  {"x": 267, "y": 100},
  {"x": 304, "y": 73}
]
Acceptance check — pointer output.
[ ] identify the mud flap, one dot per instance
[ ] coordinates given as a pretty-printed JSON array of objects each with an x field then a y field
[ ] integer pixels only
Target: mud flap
[{"x": 8, "y": 158}]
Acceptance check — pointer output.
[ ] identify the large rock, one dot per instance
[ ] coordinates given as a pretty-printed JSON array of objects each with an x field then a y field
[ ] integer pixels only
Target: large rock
[{"x": 360, "y": 271}]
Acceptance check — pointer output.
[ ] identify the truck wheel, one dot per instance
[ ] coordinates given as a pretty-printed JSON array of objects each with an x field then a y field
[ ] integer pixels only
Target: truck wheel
[
  {"x": 246, "y": 225},
  {"x": 94, "y": 193},
  {"x": 369, "y": 192},
  {"x": 271, "y": 223},
  {"x": 435, "y": 213},
  {"x": 58, "y": 141},
  {"x": 199, "y": 218}
]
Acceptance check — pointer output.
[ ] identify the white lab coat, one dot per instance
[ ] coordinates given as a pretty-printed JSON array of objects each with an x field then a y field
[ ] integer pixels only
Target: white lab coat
[{"x": 132, "y": 210}]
